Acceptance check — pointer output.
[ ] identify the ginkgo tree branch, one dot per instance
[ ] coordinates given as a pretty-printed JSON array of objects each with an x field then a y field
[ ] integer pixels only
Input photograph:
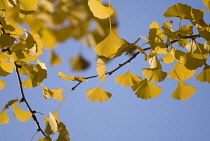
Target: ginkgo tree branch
[
  {"x": 132, "y": 57},
  {"x": 26, "y": 102},
  {"x": 23, "y": 99}
]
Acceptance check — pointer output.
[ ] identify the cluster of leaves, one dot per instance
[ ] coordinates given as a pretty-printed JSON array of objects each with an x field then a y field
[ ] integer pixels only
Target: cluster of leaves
[{"x": 20, "y": 50}]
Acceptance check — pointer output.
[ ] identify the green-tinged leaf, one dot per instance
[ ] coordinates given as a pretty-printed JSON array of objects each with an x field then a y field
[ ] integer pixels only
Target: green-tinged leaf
[
  {"x": 20, "y": 114},
  {"x": 179, "y": 71},
  {"x": 6, "y": 68},
  {"x": 97, "y": 94},
  {"x": 183, "y": 91},
  {"x": 156, "y": 39},
  {"x": 54, "y": 59},
  {"x": 207, "y": 3},
  {"x": 36, "y": 75},
  {"x": 4, "y": 117},
  {"x": 195, "y": 47},
  {"x": 53, "y": 123},
  {"x": 185, "y": 30},
  {"x": 204, "y": 76},
  {"x": 127, "y": 79},
  {"x": 110, "y": 45},
  {"x": 72, "y": 78},
  {"x": 63, "y": 133},
  {"x": 54, "y": 93},
  {"x": 101, "y": 69},
  {"x": 9, "y": 103},
  {"x": 2, "y": 84},
  {"x": 99, "y": 10},
  {"x": 48, "y": 130},
  {"x": 46, "y": 138},
  {"x": 78, "y": 63},
  {"x": 6, "y": 41},
  {"x": 194, "y": 60},
  {"x": 179, "y": 10},
  {"x": 154, "y": 74},
  {"x": 146, "y": 90}
]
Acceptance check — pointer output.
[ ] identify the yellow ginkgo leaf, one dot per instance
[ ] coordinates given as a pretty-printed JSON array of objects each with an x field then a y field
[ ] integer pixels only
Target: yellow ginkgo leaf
[
  {"x": 73, "y": 78},
  {"x": 27, "y": 7},
  {"x": 2, "y": 84},
  {"x": 146, "y": 90},
  {"x": 53, "y": 123},
  {"x": 99, "y": 10},
  {"x": 54, "y": 93},
  {"x": 183, "y": 91},
  {"x": 4, "y": 117},
  {"x": 127, "y": 79},
  {"x": 6, "y": 68},
  {"x": 101, "y": 69},
  {"x": 110, "y": 45},
  {"x": 179, "y": 10},
  {"x": 46, "y": 138},
  {"x": 63, "y": 133},
  {"x": 20, "y": 114},
  {"x": 179, "y": 71},
  {"x": 204, "y": 76},
  {"x": 54, "y": 59},
  {"x": 79, "y": 63},
  {"x": 169, "y": 58},
  {"x": 55, "y": 114},
  {"x": 154, "y": 74},
  {"x": 207, "y": 3},
  {"x": 97, "y": 94},
  {"x": 156, "y": 39}
]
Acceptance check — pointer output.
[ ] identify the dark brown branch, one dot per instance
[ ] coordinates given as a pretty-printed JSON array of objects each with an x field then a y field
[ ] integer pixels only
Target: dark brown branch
[{"x": 26, "y": 102}]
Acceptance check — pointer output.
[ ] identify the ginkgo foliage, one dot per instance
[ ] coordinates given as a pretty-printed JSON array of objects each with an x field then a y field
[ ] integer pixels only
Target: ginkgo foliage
[{"x": 94, "y": 22}]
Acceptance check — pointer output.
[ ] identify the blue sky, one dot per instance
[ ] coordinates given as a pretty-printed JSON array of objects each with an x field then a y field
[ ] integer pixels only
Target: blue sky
[{"x": 124, "y": 117}]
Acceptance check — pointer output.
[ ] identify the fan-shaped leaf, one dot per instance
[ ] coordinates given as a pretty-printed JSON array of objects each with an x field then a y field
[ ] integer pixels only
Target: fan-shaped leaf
[
  {"x": 110, "y": 45},
  {"x": 127, "y": 79},
  {"x": 180, "y": 72},
  {"x": 6, "y": 68},
  {"x": 101, "y": 69},
  {"x": 204, "y": 76},
  {"x": 97, "y": 94},
  {"x": 183, "y": 91},
  {"x": 4, "y": 117},
  {"x": 21, "y": 115},
  {"x": 63, "y": 133},
  {"x": 28, "y": 7},
  {"x": 54, "y": 93},
  {"x": 146, "y": 90},
  {"x": 154, "y": 74},
  {"x": 54, "y": 59},
  {"x": 99, "y": 10},
  {"x": 179, "y": 10},
  {"x": 78, "y": 63},
  {"x": 6, "y": 41},
  {"x": 73, "y": 78},
  {"x": 207, "y": 3},
  {"x": 9, "y": 103}
]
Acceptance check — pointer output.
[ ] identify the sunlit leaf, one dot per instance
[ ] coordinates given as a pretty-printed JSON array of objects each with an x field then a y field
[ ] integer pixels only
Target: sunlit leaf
[
  {"x": 179, "y": 10},
  {"x": 54, "y": 59},
  {"x": 183, "y": 91},
  {"x": 154, "y": 74},
  {"x": 47, "y": 35},
  {"x": 54, "y": 93},
  {"x": 99, "y": 10},
  {"x": 48, "y": 130},
  {"x": 73, "y": 78},
  {"x": 169, "y": 58},
  {"x": 63, "y": 133},
  {"x": 4, "y": 117},
  {"x": 207, "y": 3},
  {"x": 195, "y": 47},
  {"x": 97, "y": 94},
  {"x": 55, "y": 114},
  {"x": 28, "y": 7},
  {"x": 156, "y": 39},
  {"x": 46, "y": 138},
  {"x": 101, "y": 69},
  {"x": 127, "y": 79},
  {"x": 146, "y": 90},
  {"x": 53, "y": 123},
  {"x": 78, "y": 63},
  {"x": 20, "y": 114},
  {"x": 6, "y": 68},
  {"x": 110, "y": 45},
  {"x": 204, "y": 76},
  {"x": 207, "y": 46},
  {"x": 179, "y": 71},
  {"x": 9, "y": 103},
  {"x": 185, "y": 30},
  {"x": 2, "y": 84}
]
